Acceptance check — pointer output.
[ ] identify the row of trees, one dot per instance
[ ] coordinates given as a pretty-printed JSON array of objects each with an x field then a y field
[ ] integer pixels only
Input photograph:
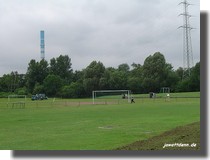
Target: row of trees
[{"x": 57, "y": 78}]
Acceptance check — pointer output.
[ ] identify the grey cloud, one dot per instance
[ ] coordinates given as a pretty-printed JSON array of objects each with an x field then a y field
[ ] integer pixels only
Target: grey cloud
[{"x": 113, "y": 32}]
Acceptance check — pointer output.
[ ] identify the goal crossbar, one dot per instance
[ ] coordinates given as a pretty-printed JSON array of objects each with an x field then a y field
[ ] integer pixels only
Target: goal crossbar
[{"x": 110, "y": 91}]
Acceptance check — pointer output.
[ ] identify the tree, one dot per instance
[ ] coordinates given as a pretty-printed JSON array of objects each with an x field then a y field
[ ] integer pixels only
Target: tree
[
  {"x": 61, "y": 66},
  {"x": 43, "y": 70},
  {"x": 21, "y": 91},
  {"x": 92, "y": 75},
  {"x": 38, "y": 88},
  {"x": 134, "y": 81},
  {"x": 36, "y": 73},
  {"x": 104, "y": 82},
  {"x": 74, "y": 90},
  {"x": 124, "y": 67},
  {"x": 172, "y": 80},
  {"x": 136, "y": 71},
  {"x": 78, "y": 76},
  {"x": 191, "y": 83},
  {"x": 11, "y": 82},
  {"x": 155, "y": 72},
  {"x": 89, "y": 85},
  {"x": 94, "y": 69},
  {"x": 195, "y": 77},
  {"x": 31, "y": 74},
  {"x": 118, "y": 80},
  {"x": 52, "y": 85},
  {"x": 179, "y": 73},
  {"x": 134, "y": 84},
  {"x": 6, "y": 82},
  {"x": 183, "y": 85}
]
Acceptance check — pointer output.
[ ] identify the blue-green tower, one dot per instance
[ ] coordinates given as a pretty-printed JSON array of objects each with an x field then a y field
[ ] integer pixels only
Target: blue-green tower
[{"x": 42, "y": 45}]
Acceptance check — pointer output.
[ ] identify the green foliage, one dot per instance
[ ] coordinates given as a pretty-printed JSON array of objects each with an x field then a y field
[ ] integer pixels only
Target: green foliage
[
  {"x": 10, "y": 82},
  {"x": 5, "y": 94},
  {"x": 156, "y": 72},
  {"x": 124, "y": 67},
  {"x": 195, "y": 78},
  {"x": 52, "y": 84},
  {"x": 61, "y": 66},
  {"x": 191, "y": 83},
  {"x": 58, "y": 78},
  {"x": 21, "y": 91},
  {"x": 74, "y": 90},
  {"x": 36, "y": 73},
  {"x": 38, "y": 89},
  {"x": 92, "y": 75},
  {"x": 6, "y": 82},
  {"x": 95, "y": 69},
  {"x": 118, "y": 80},
  {"x": 134, "y": 84},
  {"x": 136, "y": 71},
  {"x": 90, "y": 84}
]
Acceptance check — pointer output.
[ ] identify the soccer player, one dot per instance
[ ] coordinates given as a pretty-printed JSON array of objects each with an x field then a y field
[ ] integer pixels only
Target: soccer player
[{"x": 132, "y": 100}]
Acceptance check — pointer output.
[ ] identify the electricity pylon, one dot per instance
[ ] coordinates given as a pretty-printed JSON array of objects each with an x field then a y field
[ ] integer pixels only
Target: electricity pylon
[{"x": 187, "y": 44}]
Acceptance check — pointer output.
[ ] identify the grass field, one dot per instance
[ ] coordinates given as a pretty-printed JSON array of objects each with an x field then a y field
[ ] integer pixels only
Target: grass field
[
  {"x": 76, "y": 124},
  {"x": 185, "y": 137}
]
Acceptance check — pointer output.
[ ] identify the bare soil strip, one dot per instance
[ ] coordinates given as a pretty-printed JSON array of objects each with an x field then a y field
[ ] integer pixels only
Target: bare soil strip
[{"x": 181, "y": 138}]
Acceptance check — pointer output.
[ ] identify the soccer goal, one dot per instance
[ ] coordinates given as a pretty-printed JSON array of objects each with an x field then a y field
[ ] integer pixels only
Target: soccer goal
[
  {"x": 165, "y": 90},
  {"x": 16, "y": 101},
  {"x": 111, "y": 96}
]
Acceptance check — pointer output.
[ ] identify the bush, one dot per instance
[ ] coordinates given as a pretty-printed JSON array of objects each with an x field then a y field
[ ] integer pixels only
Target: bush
[
  {"x": 52, "y": 85},
  {"x": 4, "y": 94},
  {"x": 21, "y": 91},
  {"x": 74, "y": 90},
  {"x": 38, "y": 89}
]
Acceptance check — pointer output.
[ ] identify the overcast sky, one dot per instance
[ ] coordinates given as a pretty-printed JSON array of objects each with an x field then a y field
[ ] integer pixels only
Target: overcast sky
[{"x": 110, "y": 31}]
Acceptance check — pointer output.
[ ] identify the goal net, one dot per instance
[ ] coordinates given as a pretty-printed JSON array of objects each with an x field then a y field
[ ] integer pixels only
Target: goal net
[
  {"x": 111, "y": 96},
  {"x": 165, "y": 90},
  {"x": 16, "y": 101}
]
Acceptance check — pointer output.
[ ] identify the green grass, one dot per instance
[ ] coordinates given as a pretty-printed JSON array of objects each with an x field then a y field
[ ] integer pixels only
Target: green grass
[
  {"x": 44, "y": 125},
  {"x": 173, "y": 95},
  {"x": 185, "y": 137}
]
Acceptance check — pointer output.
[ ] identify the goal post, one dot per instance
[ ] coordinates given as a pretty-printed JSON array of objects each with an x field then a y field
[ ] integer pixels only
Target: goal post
[
  {"x": 111, "y": 94},
  {"x": 16, "y": 101},
  {"x": 165, "y": 90}
]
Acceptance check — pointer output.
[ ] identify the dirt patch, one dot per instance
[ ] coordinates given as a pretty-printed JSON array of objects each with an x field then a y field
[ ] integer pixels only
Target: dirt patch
[{"x": 181, "y": 138}]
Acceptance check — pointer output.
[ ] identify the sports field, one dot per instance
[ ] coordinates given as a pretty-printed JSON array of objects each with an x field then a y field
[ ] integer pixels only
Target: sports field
[{"x": 76, "y": 124}]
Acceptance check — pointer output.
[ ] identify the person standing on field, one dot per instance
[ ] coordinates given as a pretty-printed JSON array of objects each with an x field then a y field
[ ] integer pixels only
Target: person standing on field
[{"x": 132, "y": 100}]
